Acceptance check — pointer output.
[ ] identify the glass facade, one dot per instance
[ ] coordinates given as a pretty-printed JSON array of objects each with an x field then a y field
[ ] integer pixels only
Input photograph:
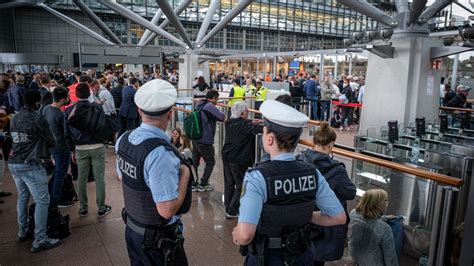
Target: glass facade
[{"x": 265, "y": 25}]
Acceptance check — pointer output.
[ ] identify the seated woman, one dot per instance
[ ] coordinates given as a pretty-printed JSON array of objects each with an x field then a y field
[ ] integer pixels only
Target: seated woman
[
  {"x": 371, "y": 238},
  {"x": 330, "y": 246}
]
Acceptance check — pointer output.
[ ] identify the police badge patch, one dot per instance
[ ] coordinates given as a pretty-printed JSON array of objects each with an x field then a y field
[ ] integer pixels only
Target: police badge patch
[{"x": 244, "y": 189}]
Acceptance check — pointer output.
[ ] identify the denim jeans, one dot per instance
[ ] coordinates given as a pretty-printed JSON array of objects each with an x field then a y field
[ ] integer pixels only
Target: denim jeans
[
  {"x": 325, "y": 110},
  {"x": 314, "y": 107},
  {"x": 61, "y": 165},
  {"x": 31, "y": 179},
  {"x": 85, "y": 160}
]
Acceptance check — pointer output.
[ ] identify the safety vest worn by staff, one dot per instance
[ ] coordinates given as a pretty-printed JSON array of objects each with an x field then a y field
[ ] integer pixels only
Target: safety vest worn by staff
[
  {"x": 250, "y": 90},
  {"x": 238, "y": 92},
  {"x": 261, "y": 94}
]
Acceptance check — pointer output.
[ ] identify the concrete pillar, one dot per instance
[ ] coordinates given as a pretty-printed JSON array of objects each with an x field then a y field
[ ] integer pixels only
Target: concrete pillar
[
  {"x": 350, "y": 64},
  {"x": 454, "y": 75},
  {"x": 401, "y": 88},
  {"x": 190, "y": 69},
  {"x": 274, "y": 66},
  {"x": 321, "y": 69},
  {"x": 258, "y": 62}
]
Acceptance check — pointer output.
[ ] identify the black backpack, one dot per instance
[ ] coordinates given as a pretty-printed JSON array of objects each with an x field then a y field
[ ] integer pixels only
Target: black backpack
[
  {"x": 57, "y": 225},
  {"x": 93, "y": 119},
  {"x": 68, "y": 191}
]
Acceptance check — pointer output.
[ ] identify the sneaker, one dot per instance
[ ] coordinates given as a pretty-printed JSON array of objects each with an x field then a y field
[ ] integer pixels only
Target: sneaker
[
  {"x": 231, "y": 216},
  {"x": 21, "y": 237},
  {"x": 5, "y": 194},
  {"x": 206, "y": 187},
  {"x": 105, "y": 211},
  {"x": 65, "y": 204},
  {"x": 341, "y": 128},
  {"x": 45, "y": 244},
  {"x": 349, "y": 128},
  {"x": 83, "y": 212},
  {"x": 195, "y": 187}
]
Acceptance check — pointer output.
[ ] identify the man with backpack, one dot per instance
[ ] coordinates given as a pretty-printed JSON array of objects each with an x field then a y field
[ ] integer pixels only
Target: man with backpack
[
  {"x": 89, "y": 149},
  {"x": 204, "y": 146},
  {"x": 31, "y": 134},
  {"x": 61, "y": 152}
]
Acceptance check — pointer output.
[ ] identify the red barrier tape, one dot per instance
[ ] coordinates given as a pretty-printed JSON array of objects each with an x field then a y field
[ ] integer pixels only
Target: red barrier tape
[{"x": 353, "y": 105}]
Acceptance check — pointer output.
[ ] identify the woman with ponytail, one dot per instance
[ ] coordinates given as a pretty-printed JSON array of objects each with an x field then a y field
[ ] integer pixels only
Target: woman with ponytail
[{"x": 330, "y": 246}]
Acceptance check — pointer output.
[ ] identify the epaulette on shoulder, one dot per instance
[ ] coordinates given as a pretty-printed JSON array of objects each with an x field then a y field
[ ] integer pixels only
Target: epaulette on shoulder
[{"x": 257, "y": 165}]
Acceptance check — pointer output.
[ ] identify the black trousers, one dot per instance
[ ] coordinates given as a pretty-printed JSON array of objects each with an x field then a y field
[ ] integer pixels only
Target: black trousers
[
  {"x": 127, "y": 124},
  {"x": 140, "y": 257},
  {"x": 233, "y": 178},
  {"x": 208, "y": 154}
]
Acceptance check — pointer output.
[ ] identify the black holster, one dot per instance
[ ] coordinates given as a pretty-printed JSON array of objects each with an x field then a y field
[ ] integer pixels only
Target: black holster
[
  {"x": 259, "y": 248},
  {"x": 168, "y": 240},
  {"x": 295, "y": 243}
]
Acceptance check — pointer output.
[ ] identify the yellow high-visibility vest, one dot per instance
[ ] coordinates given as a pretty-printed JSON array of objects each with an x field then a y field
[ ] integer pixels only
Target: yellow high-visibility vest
[
  {"x": 261, "y": 95},
  {"x": 238, "y": 92},
  {"x": 250, "y": 90}
]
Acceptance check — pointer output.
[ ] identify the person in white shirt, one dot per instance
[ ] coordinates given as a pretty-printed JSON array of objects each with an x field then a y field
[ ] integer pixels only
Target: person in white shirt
[
  {"x": 102, "y": 96},
  {"x": 106, "y": 98}
]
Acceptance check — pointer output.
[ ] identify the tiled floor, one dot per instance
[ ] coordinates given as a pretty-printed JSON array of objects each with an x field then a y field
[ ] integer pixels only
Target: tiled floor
[{"x": 100, "y": 241}]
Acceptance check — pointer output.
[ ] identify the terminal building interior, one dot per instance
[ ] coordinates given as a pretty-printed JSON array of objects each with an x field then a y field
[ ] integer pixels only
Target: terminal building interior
[{"x": 391, "y": 78}]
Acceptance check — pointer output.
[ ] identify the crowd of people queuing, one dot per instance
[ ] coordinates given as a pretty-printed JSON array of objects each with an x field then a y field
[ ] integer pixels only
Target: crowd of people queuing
[
  {"x": 304, "y": 88},
  {"x": 41, "y": 105}
]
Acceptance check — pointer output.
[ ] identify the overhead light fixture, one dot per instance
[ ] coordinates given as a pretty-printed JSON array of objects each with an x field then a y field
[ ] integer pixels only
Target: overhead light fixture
[
  {"x": 386, "y": 33},
  {"x": 372, "y": 35},
  {"x": 358, "y": 36}
]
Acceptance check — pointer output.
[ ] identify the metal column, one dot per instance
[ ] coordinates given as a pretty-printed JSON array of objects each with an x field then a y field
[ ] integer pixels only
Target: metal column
[
  {"x": 370, "y": 11},
  {"x": 147, "y": 32},
  {"x": 467, "y": 256},
  {"x": 336, "y": 66},
  {"x": 132, "y": 16},
  {"x": 441, "y": 224},
  {"x": 454, "y": 75},
  {"x": 97, "y": 21},
  {"x": 242, "y": 66},
  {"x": 236, "y": 10},
  {"x": 174, "y": 20},
  {"x": 178, "y": 10},
  {"x": 77, "y": 25},
  {"x": 214, "y": 5}
]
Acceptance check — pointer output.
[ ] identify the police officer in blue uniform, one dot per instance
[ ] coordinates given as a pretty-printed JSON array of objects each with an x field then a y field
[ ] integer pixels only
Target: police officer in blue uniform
[
  {"x": 156, "y": 181},
  {"x": 279, "y": 196}
]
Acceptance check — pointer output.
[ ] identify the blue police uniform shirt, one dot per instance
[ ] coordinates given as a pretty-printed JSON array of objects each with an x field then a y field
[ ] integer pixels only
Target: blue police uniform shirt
[
  {"x": 161, "y": 166},
  {"x": 255, "y": 195}
]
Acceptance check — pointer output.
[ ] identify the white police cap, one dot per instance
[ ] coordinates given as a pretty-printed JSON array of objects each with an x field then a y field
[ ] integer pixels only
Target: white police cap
[
  {"x": 156, "y": 97},
  {"x": 283, "y": 118}
]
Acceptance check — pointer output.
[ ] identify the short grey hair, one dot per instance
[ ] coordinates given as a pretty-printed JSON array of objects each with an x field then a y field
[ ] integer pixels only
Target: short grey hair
[{"x": 238, "y": 109}]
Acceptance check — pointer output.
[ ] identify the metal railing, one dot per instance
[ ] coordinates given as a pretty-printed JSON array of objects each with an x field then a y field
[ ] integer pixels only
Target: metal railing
[{"x": 445, "y": 187}]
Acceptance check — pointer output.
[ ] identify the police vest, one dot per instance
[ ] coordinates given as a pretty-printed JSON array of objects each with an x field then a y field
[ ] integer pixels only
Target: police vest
[
  {"x": 261, "y": 95},
  {"x": 291, "y": 193},
  {"x": 138, "y": 199},
  {"x": 238, "y": 92}
]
